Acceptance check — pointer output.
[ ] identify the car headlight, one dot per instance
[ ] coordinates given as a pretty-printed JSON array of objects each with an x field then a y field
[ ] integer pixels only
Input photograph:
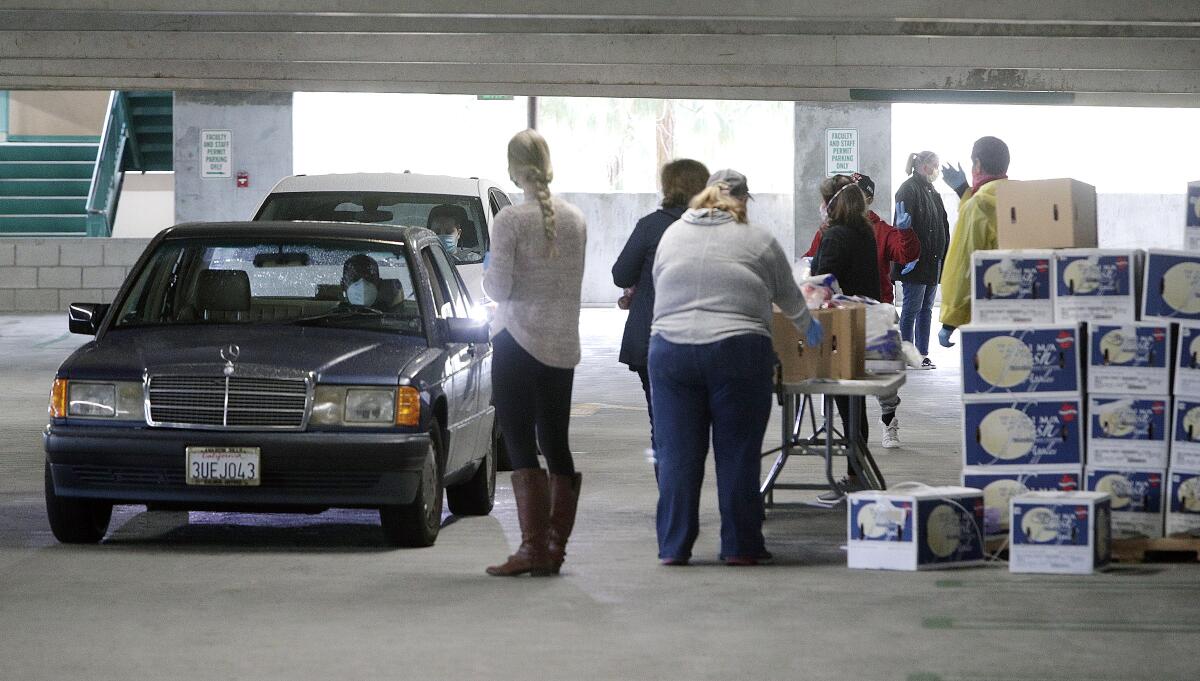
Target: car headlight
[
  {"x": 370, "y": 406},
  {"x": 121, "y": 400},
  {"x": 365, "y": 406}
]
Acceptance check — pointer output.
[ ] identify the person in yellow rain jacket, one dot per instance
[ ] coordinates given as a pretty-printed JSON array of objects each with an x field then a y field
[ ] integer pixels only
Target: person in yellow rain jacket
[{"x": 975, "y": 229}]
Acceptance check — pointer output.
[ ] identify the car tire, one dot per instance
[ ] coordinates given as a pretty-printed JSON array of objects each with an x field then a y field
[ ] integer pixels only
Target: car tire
[
  {"x": 76, "y": 521},
  {"x": 477, "y": 495},
  {"x": 416, "y": 524}
]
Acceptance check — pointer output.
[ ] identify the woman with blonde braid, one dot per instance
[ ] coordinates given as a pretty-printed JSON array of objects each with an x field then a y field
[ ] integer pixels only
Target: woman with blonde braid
[{"x": 535, "y": 273}]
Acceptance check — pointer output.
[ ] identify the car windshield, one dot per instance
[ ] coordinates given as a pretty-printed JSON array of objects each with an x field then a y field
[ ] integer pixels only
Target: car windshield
[
  {"x": 359, "y": 284},
  {"x": 446, "y": 214}
]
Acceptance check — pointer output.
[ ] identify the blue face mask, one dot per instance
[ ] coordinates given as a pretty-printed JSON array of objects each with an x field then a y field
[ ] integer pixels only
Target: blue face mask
[
  {"x": 450, "y": 241},
  {"x": 362, "y": 292}
]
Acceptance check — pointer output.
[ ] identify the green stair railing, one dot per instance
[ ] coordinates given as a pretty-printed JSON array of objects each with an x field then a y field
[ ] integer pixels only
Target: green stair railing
[{"x": 107, "y": 176}]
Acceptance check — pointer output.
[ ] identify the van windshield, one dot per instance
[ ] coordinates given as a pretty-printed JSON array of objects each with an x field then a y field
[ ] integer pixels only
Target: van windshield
[{"x": 460, "y": 219}]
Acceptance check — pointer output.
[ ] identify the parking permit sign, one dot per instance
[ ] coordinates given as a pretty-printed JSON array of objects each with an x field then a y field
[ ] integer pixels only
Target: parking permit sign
[
  {"x": 216, "y": 153},
  {"x": 841, "y": 151}
]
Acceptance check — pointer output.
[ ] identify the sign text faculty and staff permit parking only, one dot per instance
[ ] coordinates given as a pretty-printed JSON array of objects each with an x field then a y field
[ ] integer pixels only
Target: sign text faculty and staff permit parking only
[
  {"x": 216, "y": 154},
  {"x": 841, "y": 151}
]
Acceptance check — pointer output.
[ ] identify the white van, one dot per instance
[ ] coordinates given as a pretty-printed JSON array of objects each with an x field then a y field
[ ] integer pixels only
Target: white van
[{"x": 396, "y": 199}]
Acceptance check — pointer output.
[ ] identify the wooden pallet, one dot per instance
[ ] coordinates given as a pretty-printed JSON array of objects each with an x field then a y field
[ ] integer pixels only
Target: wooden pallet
[{"x": 1178, "y": 549}]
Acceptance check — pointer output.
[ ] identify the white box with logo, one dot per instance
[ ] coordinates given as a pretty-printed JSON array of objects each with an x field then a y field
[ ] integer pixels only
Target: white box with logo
[
  {"x": 921, "y": 528},
  {"x": 1060, "y": 532},
  {"x": 1000, "y": 484},
  {"x": 1032, "y": 433},
  {"x": 1185, "y": 432},
  {"x": 1187, "y": 361},
  {"x": 1040, "y": 361},
  {"x": 1171, "y": 291},
  {"x": 1011, "y": 287},
  {"x": 1137, "y": 498},
  {"x": 1129, "y": 358},
  {"x": 1096, "y": 284},
  {"x": 1128, "y": 430},
  {"x": 1183, "y": 501}
]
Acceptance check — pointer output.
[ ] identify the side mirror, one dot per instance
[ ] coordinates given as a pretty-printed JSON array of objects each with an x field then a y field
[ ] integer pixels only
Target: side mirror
[
  {"x": 85, "y": 318},
  {"x": 460, "y": 330}
]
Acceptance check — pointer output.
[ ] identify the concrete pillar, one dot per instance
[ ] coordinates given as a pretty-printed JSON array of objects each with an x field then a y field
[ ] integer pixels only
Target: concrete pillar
[
  {"x": 874, "y": 125},
  {"x": 260, "y": 126}
]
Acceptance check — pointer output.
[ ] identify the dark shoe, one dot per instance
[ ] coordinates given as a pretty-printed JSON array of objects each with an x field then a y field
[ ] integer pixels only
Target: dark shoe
[
  {"x": 532, "y": 491},
  {"x": 764, "y": 557},
  {"x": 673, "y": 562},
  {"x": 564, "y": 501},
  {"x": 927, "y": 364},
  {"x": 844, "y": 487}
]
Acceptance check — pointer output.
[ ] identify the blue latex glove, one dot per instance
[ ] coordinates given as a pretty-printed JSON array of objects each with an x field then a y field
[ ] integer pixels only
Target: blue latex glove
[
  {"x": 909, "y": 267},
  {"x": 944, "y": 336},
  {"x": 954, "y": 177},
  {"x": 815, "y": 333},
  {"x": 903, "y": 219}
]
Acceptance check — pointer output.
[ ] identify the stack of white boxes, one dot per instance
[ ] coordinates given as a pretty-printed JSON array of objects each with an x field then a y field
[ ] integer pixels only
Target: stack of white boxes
[{"x": 1022, "y": 413}]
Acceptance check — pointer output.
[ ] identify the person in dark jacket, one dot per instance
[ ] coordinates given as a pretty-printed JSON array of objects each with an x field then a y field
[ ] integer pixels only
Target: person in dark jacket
[
  {"x": 933, "y": 229},
  {"x": 848, "y": 252},
  {"x": 681, "y": 180}
]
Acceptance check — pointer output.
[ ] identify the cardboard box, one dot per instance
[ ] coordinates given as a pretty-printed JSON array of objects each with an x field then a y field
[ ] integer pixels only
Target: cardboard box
[
  {"x": 1030, "y": 433},
  {"x": 1037, "y": 359},
  {"x": 1185, "y": 432},
  {"x": 1187, "y": 361},
  {"x": 1183, "y": 507},
  {"x": 1011, "y": 287},
  {"x": 1129, "y": 358},
  {"x": 927, "y": 528},
  {"x": 1096, "y": 285},
  {"x": 1057, "y": 213},
  {"x": 1001, "y": 483},
  {"x": 1137, "y": 498},
  {"x": 842, "y": 352},
  {"x": 1128, "y": 430},
  {"x": 1171, "y": 290},
  {"x": 1191, "y": 239},
  {"x": 1060, "y": 532}
]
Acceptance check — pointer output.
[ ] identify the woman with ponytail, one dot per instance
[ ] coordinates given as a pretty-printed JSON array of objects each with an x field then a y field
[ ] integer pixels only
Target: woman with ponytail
[
  {"x": 534, "y": 274},
  {"x": 929, "y": 222}
]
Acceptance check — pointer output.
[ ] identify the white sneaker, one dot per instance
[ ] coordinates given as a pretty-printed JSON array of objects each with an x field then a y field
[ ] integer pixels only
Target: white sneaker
[{"x": 891, "y": 434}]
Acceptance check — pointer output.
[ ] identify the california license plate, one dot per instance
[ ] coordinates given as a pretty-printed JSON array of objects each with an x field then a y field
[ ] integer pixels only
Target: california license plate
[{"x": 223, "y": 466}]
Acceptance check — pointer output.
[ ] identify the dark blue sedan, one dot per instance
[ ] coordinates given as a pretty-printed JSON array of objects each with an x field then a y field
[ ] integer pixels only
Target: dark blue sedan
[{"x": 271, "y": 367}]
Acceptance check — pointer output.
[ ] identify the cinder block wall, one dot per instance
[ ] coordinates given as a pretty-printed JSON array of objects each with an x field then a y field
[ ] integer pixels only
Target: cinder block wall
[{"x": 42, "y": 275}]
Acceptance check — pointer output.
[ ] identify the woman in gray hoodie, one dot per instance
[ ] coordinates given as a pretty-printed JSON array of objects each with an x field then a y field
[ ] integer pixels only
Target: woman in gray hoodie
[{"x": 712, "y": 365}]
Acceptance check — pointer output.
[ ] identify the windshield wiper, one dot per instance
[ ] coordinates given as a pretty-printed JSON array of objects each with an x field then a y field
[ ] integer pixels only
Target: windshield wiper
[{"x": 357, "y": 312}]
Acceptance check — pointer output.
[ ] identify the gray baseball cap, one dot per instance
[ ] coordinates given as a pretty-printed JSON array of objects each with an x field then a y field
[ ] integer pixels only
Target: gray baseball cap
[{"x": 738, "y": 186}]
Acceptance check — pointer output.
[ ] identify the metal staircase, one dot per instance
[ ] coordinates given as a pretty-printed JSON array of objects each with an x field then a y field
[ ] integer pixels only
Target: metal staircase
[{"x": 71, "y": 188}]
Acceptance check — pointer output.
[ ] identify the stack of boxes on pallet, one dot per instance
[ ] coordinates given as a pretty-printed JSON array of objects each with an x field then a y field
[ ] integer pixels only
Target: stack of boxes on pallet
[{"x": 1066, "y": 383}]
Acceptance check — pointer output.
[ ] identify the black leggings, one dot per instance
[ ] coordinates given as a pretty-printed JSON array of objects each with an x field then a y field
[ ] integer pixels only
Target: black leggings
[
  {"x": 533, "y": 406},
  {"x": 843, "y": 405}
]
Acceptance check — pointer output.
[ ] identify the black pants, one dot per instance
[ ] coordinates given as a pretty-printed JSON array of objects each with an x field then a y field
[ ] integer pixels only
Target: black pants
[
  {"x": 533, "y": 406},
  {"x": 843, "y": 405},
  {"x": 644, "y": 374}
]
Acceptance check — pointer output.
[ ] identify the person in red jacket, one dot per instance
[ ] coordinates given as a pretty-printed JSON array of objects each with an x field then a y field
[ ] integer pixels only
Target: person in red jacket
[{"x": 899, "y": 244}]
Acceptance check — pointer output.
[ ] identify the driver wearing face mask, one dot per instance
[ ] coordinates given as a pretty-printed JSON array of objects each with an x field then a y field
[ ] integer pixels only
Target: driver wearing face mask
[
  {"x": 360, "y": 280},
  {"x": 448, "y": 221}
]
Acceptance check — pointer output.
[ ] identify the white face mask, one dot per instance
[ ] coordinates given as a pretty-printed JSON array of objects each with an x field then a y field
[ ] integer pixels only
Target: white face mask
[{"x": 362, "y": 292}]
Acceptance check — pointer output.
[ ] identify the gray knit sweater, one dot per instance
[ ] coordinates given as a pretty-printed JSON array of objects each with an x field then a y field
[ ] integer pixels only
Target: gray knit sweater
[
  {"x": 715, "y": 278},
  {"x": 538, "y": 294}
]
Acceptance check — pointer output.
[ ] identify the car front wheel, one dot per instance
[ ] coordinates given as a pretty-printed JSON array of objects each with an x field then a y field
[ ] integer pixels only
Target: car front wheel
[
  {"x": 416, "y": 524},
  {"x": 75, "y": 521}
]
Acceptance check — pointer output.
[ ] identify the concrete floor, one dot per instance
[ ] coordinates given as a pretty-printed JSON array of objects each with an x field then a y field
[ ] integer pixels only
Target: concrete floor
[{"x": 272, "y": 597}]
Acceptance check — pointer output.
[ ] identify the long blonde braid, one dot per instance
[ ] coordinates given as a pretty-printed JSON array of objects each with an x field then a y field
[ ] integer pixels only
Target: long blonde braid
[{"x": 529, "y": 160}]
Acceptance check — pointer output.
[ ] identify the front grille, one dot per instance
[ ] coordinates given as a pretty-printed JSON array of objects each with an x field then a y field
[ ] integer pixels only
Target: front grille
[
  {"x": 228, "y": 402},
  {"x": 142, "y": 477}
]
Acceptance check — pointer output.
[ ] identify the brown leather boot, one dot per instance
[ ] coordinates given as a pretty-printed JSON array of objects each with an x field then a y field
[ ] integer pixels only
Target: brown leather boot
[
  {"x": 532, "y": 491},
  {"x": 564, "y": 500}
]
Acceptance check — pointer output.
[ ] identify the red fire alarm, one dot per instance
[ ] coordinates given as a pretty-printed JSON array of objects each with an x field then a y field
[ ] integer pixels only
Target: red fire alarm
[{"x": 243, "y": 179}]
